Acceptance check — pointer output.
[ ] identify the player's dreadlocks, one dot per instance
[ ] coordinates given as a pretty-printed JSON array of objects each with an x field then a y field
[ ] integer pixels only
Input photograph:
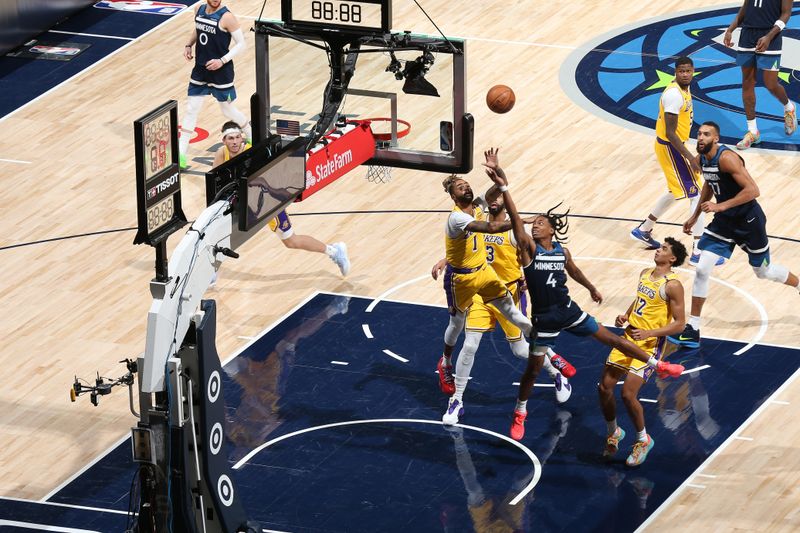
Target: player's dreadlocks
[
  {"x": 560, "y": 223},
  {"x": 447, "y": 183}
]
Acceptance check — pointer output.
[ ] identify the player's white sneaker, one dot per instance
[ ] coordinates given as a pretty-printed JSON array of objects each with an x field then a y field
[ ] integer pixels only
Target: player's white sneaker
[
  {"x": 340, "y": 257},
  {"x": 563, "y": 388},
  {"x": 455, "y": 409}
]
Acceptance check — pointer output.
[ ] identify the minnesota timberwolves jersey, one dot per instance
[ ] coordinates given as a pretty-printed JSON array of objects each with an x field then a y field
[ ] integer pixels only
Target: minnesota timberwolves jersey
[
  {"x": 761, "y": 14},
  {"x": 546, "y": 278},
  {"x": 722, "y": 183},
  {"x": 212, "y": 43}
]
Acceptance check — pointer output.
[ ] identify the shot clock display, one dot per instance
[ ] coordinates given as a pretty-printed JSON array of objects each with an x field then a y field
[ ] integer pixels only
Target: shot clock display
[
  {"x": 158, "y": 185},
  {"x": 356, "y": 16}
]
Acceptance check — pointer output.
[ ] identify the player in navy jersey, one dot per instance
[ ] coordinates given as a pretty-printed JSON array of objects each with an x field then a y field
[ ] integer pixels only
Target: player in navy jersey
[
  {"x": 545, "y": 264},
  {"x": 762, "y": 22},
  {"x": 214, "y": 26},
  {"x": 738, "y": 220}
]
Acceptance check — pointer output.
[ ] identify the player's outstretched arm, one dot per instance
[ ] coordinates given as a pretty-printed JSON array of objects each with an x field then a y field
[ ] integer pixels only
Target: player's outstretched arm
[
  {"x": 705, "y": 195},
  {"x": 578, "y": 275},
  {"x": 525, "y": 244}
]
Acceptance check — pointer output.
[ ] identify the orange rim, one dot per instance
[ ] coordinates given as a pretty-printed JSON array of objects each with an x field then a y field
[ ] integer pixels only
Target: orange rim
[{"x": 388, "y": 136}]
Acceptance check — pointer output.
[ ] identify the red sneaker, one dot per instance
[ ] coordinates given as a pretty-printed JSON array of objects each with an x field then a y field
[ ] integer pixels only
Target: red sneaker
[
  {"x": 562, "y": 365},
  {"x": 446, "y": 381},
  {"x": 668, "y": 370},
  {"x": 518, "y": 425}
]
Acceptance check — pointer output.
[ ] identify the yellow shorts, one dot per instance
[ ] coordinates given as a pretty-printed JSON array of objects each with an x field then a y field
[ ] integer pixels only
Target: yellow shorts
[
  {"x": 682, "y": 182},
  {"x": 483, "y": 317},
  {"x": 460, "y": 288},
  {"x": 657, "y": 347}
]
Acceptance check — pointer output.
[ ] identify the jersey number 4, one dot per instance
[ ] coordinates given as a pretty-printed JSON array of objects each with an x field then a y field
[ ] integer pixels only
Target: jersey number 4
[{"x": 551, "y": 281}]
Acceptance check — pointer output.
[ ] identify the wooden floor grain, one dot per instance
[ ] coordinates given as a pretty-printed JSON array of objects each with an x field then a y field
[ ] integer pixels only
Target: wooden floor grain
[{"x": 78, "y": 305}]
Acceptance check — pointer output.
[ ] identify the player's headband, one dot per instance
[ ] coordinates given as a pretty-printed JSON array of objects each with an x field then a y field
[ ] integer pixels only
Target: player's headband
[{"x": 231, "y": 131}]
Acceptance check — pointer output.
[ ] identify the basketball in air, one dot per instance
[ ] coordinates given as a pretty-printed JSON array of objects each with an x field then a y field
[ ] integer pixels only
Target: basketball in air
[{"x": 500, "y": 99}]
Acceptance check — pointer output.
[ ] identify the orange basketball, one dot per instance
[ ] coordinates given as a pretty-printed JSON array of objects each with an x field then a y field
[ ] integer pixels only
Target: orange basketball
[{"x": 500, "y": 99}]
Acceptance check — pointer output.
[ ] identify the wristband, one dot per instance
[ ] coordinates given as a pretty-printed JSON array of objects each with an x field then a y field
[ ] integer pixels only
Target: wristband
[
  {"x": 502, "y": 188},
  {"x": 780, "y": 24}
]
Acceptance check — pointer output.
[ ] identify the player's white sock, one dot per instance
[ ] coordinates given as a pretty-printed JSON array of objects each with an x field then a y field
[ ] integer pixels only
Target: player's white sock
[
  {"x": 330, "y": 250},
  {"x": 642, "y": 435},
  {"x": 752, "y": 126},
  {"x": 694, "y": 321},
  {"x": 521, "y": 406},
  {"x": 789, "y": 107}
]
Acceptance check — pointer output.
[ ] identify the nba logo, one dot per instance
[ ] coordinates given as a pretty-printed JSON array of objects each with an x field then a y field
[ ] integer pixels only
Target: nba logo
[{"x": 142, "y": 6}]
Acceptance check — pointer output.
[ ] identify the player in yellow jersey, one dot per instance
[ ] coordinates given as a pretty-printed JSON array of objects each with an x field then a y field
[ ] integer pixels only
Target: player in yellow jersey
[
  {"x": 501, "y": 254},
  {"x": 233, "y": 144},
  {"x": 675, "y": 116},
  {"x": 467, "y": 272},
  {"x": 657, "y": 311}
]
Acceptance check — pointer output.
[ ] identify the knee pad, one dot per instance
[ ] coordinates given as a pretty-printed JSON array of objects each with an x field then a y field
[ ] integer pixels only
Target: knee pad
[
  {"x": 230, "y": 111},
  {"x": 702, "y": 273},
  {"x": 520, "y": 349},
  {"x": 454, "y": 328},
  {"x": 772, "y": 272}
]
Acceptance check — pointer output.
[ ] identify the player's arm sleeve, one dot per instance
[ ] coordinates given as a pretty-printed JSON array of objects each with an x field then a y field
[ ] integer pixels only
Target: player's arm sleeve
[
  {"x": 672, "y": 100},
  {"x": 239, "y": 46},
  {"x": 457, "y": 223}
]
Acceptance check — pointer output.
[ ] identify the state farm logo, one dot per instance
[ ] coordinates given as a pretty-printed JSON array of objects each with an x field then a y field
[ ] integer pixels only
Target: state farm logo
[{"x": 311, "y": 180}]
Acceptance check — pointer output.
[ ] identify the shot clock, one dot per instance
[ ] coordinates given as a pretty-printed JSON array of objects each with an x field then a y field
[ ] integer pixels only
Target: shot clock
[
  {"x": 357, "y": 16},
  {"x": 158, "y": 185}
]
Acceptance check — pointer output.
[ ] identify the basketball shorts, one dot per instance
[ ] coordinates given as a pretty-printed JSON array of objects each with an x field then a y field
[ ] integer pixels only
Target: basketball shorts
[
  {"x": 461, "y": 287},
  {"x": 681, "y": 181},
  {"x": 746, "y": 55},
  {"x": 282, "y": 225},
  {"x": 748, "y": 231},
  {"x": 483, "y": 317},
  {"x": 655, "y": 347},
  {"x": 553, "y": 320}
]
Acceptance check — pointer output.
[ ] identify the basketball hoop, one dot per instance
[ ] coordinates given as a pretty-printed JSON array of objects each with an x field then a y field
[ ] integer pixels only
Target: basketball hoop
[{"x": 384, "y": 140}]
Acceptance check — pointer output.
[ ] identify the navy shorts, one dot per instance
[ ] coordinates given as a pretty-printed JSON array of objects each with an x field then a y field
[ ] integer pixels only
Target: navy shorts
[
  {"x": 748, "y": 231},
  {"x": 746, "y": 55},
  {"x": 553, "y": 320}
]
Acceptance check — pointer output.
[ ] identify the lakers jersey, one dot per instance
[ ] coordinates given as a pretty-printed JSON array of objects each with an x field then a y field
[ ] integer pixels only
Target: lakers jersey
[
  {"x": 501, "y": 253},
  {"x": 227, "y": 153},
  {"x": 685, "y": 116},
  {"x": 467, "y": 250},
  {"x": 651, "y": 309}
]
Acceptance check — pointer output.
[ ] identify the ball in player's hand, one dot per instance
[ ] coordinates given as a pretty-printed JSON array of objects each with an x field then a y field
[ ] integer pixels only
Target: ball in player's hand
[{"x": 500, "y": 99}]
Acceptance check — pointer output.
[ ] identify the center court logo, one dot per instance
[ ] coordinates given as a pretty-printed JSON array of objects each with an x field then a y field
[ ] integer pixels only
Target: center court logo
[{"x": 620, "y": 76}]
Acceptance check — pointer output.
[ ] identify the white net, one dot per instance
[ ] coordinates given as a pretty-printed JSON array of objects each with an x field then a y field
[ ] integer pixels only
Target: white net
[{"x": 379, "y": 174}]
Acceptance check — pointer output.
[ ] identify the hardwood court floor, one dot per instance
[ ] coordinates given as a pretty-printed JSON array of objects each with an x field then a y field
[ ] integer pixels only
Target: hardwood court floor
[{"x": 74, "y": 306}]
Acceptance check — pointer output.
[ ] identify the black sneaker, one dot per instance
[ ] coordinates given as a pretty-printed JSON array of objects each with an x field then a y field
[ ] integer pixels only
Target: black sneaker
[{"x": 689, "y": 337}]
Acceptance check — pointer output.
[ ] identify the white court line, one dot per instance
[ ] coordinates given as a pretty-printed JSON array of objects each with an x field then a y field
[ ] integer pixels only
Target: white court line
[
  {"x": 749, "y": 439},
  {"x": 760, "y": 308},
  {"x": 377, "y": 300},
  {"x": 367, "y": 332},
  {"x": 244, "y": 337},
  {"x": 343, "y": 363},
  {"x": 693, "y": 370},
  {"x": 44, "y": 527},
  {"x": 707, "y": 475},
  {"x": 695, "y": 486},
  {"x": 16, "y": 161},
  {"x": 648, "y": 400},
  {"x": 79, "y": 472},
  {"x": 537, "y": 467},
  {"x": 83, "y": 507},
  {"x": 93, "y": 66},
  {"x": 273, "y": 531},
  {"x": 780, "y": 402},
  {"x": 93, "y": 35},
  {"x": 672, "y": 497},
  {"x": 542, "y": 385},
  {"x": 392, "y": 354}
]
